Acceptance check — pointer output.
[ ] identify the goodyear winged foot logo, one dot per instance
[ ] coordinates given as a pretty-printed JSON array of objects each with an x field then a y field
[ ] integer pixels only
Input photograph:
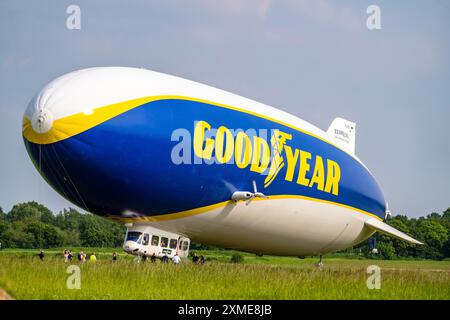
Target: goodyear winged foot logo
[
  {"x": 251, "y": 152},
  {"x": 278, "y": 140}
]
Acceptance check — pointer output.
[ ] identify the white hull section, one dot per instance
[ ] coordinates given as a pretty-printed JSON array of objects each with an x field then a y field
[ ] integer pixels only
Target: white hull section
[{"x": 293, "y": 227}]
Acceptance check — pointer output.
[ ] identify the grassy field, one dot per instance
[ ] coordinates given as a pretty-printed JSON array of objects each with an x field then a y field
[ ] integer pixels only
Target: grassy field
[{"x": 24, "y": 276}]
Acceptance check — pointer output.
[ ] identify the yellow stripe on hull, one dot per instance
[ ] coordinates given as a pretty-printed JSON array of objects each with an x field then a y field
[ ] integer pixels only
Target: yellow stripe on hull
[
  {"x": 197, "y": 211},
  {"x": 69, "y": 126}
]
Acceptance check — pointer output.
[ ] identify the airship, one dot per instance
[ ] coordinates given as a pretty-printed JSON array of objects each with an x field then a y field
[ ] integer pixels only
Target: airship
[{"x": 179, "y": 161}]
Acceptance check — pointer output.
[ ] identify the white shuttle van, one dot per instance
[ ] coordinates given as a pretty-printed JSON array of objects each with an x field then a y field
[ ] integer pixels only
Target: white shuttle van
[{"x": 146, "y": 241}]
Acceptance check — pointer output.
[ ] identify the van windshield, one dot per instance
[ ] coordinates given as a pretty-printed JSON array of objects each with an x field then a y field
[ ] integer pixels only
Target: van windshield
[{"x": 133, "y": 236}]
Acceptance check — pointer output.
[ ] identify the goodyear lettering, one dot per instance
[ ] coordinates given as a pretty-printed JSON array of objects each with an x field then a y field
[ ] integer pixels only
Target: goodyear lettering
[
  {"x": 202, "y": 148},
  {"x": 242, "y": 150},
  {"x": 305, "y": 157},
  {"x": 224, "y": 145},
  {"x": 254, "y": 154},
  {"x": 260, "y": 155}
]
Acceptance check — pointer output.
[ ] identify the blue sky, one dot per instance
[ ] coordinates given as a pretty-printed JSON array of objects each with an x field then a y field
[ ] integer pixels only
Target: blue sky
[{"x": 314, "y": 59}]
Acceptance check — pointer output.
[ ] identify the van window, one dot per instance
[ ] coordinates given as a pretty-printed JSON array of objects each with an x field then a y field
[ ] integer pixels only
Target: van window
[
  {"x": 180, "y": 244},
  {"x": 173, "y": 244},
  {"x": 133, "y": 236},
  {"x": 145, "y": 239},
  {"x": 155, "y": 240},
  {"x": 185, "y": 245},
  {"x": 164, "y": 242}
]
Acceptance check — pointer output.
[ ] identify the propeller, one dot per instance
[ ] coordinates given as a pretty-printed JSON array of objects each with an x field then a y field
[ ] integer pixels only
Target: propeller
[
  {"x": 247, "y": 195},
  {"x": 255, "y": 191},
  {"x": 255, "y": 194}
]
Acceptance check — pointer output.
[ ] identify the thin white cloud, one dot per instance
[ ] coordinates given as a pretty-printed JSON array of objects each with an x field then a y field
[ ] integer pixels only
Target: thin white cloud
[{"x": 257, "y": 8}]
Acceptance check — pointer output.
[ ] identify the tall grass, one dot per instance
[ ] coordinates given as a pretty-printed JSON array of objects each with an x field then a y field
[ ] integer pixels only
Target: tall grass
[{"x": 26, "y": 277}]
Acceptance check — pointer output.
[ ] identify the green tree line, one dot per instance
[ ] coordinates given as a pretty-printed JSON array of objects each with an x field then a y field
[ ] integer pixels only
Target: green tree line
[{"x": 32, "y": 225}]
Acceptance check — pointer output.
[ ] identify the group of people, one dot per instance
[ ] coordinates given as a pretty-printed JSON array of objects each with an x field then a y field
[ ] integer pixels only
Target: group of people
[
  {"x": 175, "y": 259},
  {"x": 198, "y": 260},
  {"x": 68, "y": 256},
  {"x": 164, "y": 259},
  {"x": 81, "y": 256}
]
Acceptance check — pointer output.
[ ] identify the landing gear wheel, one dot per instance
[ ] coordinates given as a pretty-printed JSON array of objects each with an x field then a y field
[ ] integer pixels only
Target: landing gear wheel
[{"x": 319, "y": 265}]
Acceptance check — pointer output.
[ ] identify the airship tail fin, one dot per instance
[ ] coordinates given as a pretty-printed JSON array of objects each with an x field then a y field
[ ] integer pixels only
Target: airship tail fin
[
  {"x": 380, "y": 226},
  {"x": 343, "y": 133}
]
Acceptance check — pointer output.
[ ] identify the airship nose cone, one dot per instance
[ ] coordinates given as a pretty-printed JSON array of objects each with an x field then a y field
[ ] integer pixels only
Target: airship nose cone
[{"x": 42, "y": 121}]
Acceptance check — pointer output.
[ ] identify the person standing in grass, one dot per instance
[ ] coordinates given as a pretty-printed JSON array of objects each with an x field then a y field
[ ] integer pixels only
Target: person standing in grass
[
  {"x": 165, "y": 258},
  {"x": 82, "y": 256},
  {"x": 153, "y": 257},
  {"x": 114, "y": 257},
  {"x": 66, "y": 256},
  {"x": 195, "y": 258},
  {"x": 93, "y": 258},
  {"x": 176, "y": 259},
  {"x": 41, "y": 255},
  {"x": 202, "y": 259}
]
